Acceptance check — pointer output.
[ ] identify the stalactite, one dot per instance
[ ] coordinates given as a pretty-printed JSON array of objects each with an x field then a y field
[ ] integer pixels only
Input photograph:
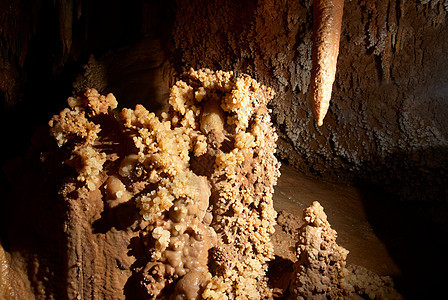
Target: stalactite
[{"x": 327, "y": 20}]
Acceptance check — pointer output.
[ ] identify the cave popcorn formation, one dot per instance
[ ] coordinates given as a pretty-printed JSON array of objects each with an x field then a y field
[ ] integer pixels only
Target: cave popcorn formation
[
  {"x": 201, "y": 175},
  {"x": 321, "y": 270}
]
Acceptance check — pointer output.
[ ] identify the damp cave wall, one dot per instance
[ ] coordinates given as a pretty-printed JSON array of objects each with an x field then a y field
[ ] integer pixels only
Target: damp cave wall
[{"x": 387, "y": 122}]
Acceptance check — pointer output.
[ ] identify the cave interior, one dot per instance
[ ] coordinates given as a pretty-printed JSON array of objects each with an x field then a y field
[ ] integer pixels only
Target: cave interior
[{"x": 378, "y": 164}]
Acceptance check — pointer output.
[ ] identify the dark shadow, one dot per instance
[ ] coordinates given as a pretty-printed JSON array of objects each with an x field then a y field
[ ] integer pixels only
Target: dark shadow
[
  {"x": 204, "y": 164},
  {"x": 406, "y": 204},
  {"x": 33, "y": 216},
  {"x": 114, "y": 137},
  {"x": 279, "y": 274},
  {"x": 120, "y": 217},
  {"x": 133, "y": 288}
]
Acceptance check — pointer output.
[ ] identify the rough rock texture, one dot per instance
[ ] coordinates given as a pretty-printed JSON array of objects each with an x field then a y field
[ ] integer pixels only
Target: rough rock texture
[
  {"x": 320, "y": 270},
  {"x": 387, "y": 120},
  {"x": 155, "y": 207},
  {"x": 320, "y": 265},
  {"x": 14, "y": 283}
]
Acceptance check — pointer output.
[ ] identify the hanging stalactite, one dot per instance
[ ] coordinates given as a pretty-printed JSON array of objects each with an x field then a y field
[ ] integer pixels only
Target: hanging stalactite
[{"x": 327, "y": 21}]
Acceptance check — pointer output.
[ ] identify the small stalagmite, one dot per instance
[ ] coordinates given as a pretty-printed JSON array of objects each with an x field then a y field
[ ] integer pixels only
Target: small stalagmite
[{"x": 321, "y": 270}]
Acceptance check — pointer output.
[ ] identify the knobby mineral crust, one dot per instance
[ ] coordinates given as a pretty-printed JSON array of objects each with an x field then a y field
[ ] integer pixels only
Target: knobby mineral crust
[
  {"x": 321, "y": 271},
  {"x": 201, "y": 176}
]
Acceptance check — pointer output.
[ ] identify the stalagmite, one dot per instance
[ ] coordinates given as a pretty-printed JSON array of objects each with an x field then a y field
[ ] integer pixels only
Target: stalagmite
[
  {"x": 327, "y": 20},
  {"x": 321, "y": 270},
  {"x": 201, "y": 176}
]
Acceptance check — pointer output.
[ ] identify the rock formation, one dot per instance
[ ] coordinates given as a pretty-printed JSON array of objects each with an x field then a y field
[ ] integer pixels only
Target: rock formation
[
  {"x": 327, "y": 22},
  {"x": 321, "y": 272},
  {"x": 201, "y": 177}
]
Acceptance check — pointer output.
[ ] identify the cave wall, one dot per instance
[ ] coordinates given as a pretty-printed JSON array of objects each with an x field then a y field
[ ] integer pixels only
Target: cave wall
[
  {"x": 387, "y": 121},
  {"x": 387, "y": 118}
]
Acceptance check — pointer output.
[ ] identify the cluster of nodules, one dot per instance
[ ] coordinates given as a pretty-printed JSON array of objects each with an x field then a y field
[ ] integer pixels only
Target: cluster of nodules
[
  {"x": 320, "y": 271},
  {"x": 201, "y": 176}
]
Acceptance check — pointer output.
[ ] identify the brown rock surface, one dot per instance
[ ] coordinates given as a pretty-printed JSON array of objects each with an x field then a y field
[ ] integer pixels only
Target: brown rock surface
[
  {"x": 320, "y": 270},
  {"x": 137, "y": 221},
  {"x": 387, "y": 121},
  {"x": 346, "y": 213}
]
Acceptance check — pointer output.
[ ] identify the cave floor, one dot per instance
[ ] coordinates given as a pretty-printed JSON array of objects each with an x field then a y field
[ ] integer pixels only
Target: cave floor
[{"x": 344, "y": 207}]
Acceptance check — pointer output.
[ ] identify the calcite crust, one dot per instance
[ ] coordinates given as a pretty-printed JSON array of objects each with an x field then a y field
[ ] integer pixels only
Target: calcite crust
[
  {"x": 201, "y": 176},
  {"x": 321, "y": 271}
]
